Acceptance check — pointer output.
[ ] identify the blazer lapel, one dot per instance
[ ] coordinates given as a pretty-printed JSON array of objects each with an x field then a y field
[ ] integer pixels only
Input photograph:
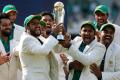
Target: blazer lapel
[
  {"x": 2, "y": 47},
  {"x": 13, "y": 44},
  {"x": 109, "y": 53},
  {"x": 86, "y": 49},
  {"x": 78, "y": 44},
  {"x": 89, "y": 46}
]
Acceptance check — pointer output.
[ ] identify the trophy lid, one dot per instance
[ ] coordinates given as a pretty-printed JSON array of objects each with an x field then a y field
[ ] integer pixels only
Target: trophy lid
[{"x": 59, "y": 5}]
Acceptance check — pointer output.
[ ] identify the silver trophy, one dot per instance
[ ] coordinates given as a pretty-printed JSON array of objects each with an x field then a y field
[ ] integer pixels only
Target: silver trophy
[{"x": 59, "y": 14}]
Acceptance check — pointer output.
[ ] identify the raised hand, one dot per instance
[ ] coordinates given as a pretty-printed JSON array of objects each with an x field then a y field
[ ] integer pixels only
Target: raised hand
[
  {"x": 67, "y": 40},
  {"x": 57, "y": 28}
]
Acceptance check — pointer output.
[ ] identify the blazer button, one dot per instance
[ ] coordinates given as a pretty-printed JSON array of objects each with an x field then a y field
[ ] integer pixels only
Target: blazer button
[{"x": 110, "y": 62}]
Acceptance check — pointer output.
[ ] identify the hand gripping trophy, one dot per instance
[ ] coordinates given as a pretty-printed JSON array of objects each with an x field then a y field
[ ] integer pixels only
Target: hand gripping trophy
[{"x": 59, "y": 14}]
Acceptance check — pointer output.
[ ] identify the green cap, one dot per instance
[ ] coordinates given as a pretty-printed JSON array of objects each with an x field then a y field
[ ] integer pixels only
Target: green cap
[
  {"x": 30, "y": 17},
  {"x": 43, "y": 23},
  {"x": 102, "y": 8},
  {"x": 107, "y": 25},
  {"x": 88, "y": 23},
  {"x": 9, "y": 8}
]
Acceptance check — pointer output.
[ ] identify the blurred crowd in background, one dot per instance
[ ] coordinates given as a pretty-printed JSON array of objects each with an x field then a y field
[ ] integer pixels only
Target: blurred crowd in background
[
  {"x": 27, "y": 7},
  {"x": 76, "y": 11},
  {"x": 81, "y": 10}
]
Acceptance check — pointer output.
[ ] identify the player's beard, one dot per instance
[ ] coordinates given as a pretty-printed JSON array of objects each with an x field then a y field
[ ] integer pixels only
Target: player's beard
[{"x": 6, "y": 33}]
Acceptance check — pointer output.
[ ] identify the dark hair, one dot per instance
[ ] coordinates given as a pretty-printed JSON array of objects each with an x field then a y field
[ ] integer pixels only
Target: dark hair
[
  {"x": 3, "y": 16},
  {"x": 92, "y": 26},
  {"x": 109, "y": 26},
  {"x": 47, "y": 13}
]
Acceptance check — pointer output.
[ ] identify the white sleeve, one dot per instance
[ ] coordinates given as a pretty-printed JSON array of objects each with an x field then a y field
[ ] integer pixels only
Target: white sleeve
[
  {"x": 96, "y": 54},
  {"x": 34, "y": 48}
]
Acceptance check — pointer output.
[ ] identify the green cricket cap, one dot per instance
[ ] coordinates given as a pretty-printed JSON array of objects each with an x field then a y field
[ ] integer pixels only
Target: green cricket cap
[
  {"x": 30, "y": 17},
  {"x": 88, "y": 23},
  {"x": 102, "y": 8},
  {"x": 9, "y": 8},
  {"x": 107, "y": 25}
]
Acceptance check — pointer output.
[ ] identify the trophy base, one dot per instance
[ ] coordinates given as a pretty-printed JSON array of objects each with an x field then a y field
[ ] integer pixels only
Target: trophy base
[{"x": 60, "y": 37}]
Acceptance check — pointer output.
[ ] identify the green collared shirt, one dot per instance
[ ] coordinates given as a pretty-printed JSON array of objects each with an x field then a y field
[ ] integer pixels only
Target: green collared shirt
[
  {"x": 6, "y": 44},
  {"x": 12, "y": 32},
  {"x": 77, "y": 73},
  {"x": 97, "y": 27}
]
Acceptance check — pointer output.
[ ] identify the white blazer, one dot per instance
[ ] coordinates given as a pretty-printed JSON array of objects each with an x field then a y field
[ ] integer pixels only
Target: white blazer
[
  {"x": 18, "y": 30},
  {"x": 112, "y": 63},
  {"x": 34, "y": 57},
  {"x": 56, "y": 63},
  {"x": 93, "y": 53},
  {"x": 8, "y": 71},
  {"x": 117, "y": 34}
]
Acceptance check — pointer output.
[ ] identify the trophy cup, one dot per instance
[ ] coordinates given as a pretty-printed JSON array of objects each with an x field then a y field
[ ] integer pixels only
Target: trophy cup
[{"x": 59, "y": 14}]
